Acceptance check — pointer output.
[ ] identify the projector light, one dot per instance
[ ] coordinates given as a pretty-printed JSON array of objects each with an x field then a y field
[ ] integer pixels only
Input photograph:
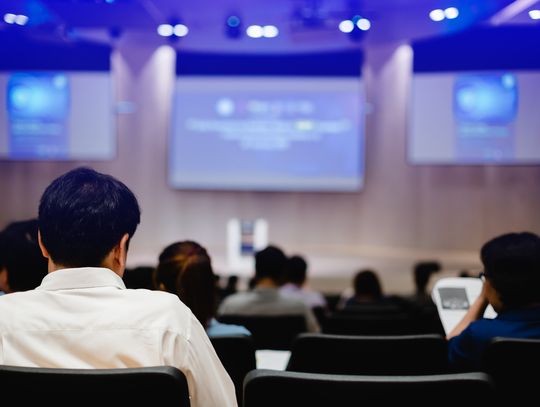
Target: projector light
[
  {"x": 165, "y": 30},
  {"x": 437, "y": 14}
]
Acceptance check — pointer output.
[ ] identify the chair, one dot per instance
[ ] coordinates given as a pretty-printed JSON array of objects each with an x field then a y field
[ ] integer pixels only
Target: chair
[
  {"x": 237, "y": 354},
  {"x": 369, "y": 355},
  {"x": 163, "y": 385},
  {"x": 381, "y": 324},
  {"x": 270, "y": 388},
  {"x": 513, "y": 363},
  {"x": 270, "y": 331}
]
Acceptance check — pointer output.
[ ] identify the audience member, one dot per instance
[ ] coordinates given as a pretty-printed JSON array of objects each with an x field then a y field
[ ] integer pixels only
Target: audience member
[
  {"x": 139, "y": 277},
  {"x": 82, "y": 315},
  {"x": 265, "y": 298},
  {"x": 231, "y": 287},
  {"x": 512, "y": 286},
  {"x": 296, "y": 285},
  {"x": 188, "y": 264},
  {"x": 22, "y": 266},
  {"x": 422, "y": 272},
  {"x": 367, "y": 290}
]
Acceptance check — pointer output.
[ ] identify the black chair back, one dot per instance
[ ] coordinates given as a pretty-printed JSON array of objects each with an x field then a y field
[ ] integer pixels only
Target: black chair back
[
  {"x": 369, "y": 355},
  {"x": 270, "y": 388},
  {"x": 270, "y": 331},
  {"x": 237, "y": 354},
  {"x": 378, "y": 324},
  {"x": 162, "y": 385},
  {"x": 513, "y": 364}
]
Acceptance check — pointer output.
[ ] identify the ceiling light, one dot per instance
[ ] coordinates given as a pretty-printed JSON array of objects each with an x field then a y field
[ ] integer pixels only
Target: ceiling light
[
  {"x": 437, "y": 14},
  {"x": 270, "y": 31},
  {"x": 346, "y": 26},
  {"x": 181, "y": 30},
  {"x": 451, "y": 13},
  {"x": 364, "y": 24},
  {"x": 165, "y": 30},
  {"x": 254, "y": 31},
  {"x": 534, "y": 14},
  {"x": 10, "y": 18}
]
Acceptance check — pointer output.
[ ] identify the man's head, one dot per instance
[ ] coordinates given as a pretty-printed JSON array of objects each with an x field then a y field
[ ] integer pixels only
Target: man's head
[
  {"x": 270, "y": 263},
  {"x": 22, "y": 266},
  {"x": 296, "y": 270},
  {"x": 512, "y": 267},
  {"x": 84, "y": 216},
  {"x": 422, "y": 273}
]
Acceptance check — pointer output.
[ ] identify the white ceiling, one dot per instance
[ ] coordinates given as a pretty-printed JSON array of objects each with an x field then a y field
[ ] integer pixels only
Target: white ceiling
[{"x": 392, "y": 20}]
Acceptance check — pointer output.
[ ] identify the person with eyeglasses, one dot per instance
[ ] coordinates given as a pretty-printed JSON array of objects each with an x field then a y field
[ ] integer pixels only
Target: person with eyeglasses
[{"x": 511, "y": 284}]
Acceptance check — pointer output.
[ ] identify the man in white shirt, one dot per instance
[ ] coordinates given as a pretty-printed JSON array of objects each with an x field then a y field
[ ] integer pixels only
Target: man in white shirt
[
  {"x": 82, "y": 315},
  {"x": 265, "y": 298}
]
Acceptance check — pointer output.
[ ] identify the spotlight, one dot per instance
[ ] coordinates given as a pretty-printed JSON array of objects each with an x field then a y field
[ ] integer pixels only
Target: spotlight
[
  {"x": 451, "y": 13},
  {"x": 270, "y": 31},
  {"x": 534, "y": 14},
  {"x": 165, "y": 30},
  {"x": 363, "y": 24},
  {"x": 10, "y": 18},
  {"x": 180, "y": 30},
  {"x": 255, "y": 31},
  {"x": 356, "y": 27},
  {"x": 233, "y": 27},
  {"x": 21, "y": 19},
  {"x": 437, "y": 14},
  {"x": 346, "y": 26}
]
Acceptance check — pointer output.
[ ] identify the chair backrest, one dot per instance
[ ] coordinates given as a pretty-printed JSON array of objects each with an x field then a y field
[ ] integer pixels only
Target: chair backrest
[
  {"x": 270, "y": 331},
  {"x": 377, "y": 324},
  {"x": 162, "y": 385},
  {"x": 237, "y": 354},
  {"x": 513, "y": 363},
  {"x": 370, "y": 355},
  {"x": 265, "y": 388}
]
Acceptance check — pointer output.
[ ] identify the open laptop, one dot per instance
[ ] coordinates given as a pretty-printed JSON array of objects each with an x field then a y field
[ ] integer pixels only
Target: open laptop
[{"x": 453, "y": 297}]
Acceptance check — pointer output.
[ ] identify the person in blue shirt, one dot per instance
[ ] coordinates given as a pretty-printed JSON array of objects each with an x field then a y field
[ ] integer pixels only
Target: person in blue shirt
[
  {"x": 185, "y": 269},
  {"x": 512, "y": 286}
]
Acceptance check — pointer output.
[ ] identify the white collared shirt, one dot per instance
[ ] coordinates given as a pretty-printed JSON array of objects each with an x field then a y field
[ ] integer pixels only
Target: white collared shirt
[{"x": 86, "y": 318}]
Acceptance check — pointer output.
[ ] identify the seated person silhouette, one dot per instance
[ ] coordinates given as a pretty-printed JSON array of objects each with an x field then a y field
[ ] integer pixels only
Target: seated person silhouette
[
  {"x": 368, "y": 292},
  {"x": 296, "y": 283},
  {"x": 265, "y": 298},
  {"x": 512, "y": 286},
  {"x": 82, "y": 316},
  {"x": 185, "y": 269},
  {"x": 22, "y": 266}
]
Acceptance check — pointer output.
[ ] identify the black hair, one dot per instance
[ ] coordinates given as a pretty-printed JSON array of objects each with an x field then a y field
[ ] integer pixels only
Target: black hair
[
  {"x": 270, "y": 262},
  {"x": 296, "y": 270},
  {"x": 422, "y": 273},
  {"x": 83, "y": 214},
  {"x": 366, "y": 283},
  {"x": 512, "y": 265},
  {"x": 21, "y": 255}
]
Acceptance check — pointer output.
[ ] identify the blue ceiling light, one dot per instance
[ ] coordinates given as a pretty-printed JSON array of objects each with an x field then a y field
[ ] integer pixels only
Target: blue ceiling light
[{"x": 233, "y": 27}]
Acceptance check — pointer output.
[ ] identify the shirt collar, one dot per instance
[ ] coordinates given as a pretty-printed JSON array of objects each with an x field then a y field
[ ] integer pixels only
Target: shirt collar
[{"x": 83, "y": 277}]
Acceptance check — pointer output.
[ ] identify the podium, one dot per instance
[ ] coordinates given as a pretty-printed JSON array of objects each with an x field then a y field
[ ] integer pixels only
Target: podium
[{"x": 244, "y": 238}]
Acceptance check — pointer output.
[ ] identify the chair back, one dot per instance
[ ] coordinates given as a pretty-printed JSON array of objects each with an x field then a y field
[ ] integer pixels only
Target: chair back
[
  {"x": 513, "y": 364},
  {"x": 237, "y": 354},
  {"x": 370, "y": 355},
  {"x": 270, "y": 331},
  {"x": 162, "y": 385},
  {"x": 375, "y": 324},
  {"x": 270, "y": 388}
]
